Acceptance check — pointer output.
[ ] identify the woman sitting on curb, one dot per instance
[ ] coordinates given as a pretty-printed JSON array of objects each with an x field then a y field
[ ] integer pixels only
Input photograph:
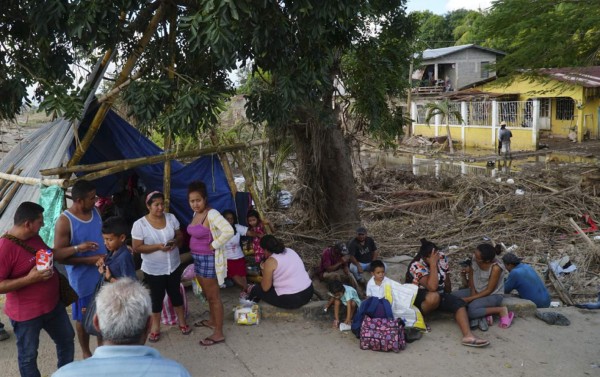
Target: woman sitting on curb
[
  {"x": 285, "y": 282},
  {"x": 429, "y": 270},
  {"x": 486, "y": 288}
]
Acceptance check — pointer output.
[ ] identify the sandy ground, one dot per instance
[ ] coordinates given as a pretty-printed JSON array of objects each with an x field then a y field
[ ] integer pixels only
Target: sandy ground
[{"x": 311, "y": 348}]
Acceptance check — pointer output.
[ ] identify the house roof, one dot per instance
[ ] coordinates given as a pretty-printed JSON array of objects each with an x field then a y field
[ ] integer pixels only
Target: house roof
[
  {"x": 588, "y": 77},
  {"x": 434, "y": 53}
]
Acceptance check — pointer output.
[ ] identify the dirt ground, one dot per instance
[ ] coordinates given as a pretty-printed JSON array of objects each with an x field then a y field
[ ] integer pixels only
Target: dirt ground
[{"x": 300, "y": 347}]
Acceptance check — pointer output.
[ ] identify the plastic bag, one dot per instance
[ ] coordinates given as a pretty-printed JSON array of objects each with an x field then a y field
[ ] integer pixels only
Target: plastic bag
[
  {"x": 197, "y": 289},
  {"x": 247, "y": 315}
]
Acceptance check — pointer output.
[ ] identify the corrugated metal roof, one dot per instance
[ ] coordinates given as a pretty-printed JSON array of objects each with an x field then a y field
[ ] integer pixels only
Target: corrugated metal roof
[
  {"x": 434, "y": 53},
  {"x": 588, "y": 77}
]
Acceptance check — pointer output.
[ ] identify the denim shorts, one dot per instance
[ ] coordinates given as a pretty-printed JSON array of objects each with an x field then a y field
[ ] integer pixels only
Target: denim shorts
[
  {"x": 204, "y": 266},
  {"x": 79, "y": 305}
]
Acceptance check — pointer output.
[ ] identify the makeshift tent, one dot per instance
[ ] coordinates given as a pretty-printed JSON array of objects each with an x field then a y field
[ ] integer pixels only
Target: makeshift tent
[{"x": 116, "y": 140}]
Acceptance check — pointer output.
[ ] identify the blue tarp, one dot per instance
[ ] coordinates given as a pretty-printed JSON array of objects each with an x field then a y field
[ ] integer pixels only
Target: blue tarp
[{"x": 118, "y": 140}]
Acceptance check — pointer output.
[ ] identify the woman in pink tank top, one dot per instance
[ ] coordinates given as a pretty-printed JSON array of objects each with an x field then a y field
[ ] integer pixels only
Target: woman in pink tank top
[{"x": 285, "y": 282}]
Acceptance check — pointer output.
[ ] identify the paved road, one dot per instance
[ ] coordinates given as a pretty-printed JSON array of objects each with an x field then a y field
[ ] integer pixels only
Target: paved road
[{"x": 299, "y": 347}]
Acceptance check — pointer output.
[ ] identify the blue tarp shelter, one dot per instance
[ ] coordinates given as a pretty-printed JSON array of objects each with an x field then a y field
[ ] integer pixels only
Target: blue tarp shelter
[{"x": 118, "y": 140}]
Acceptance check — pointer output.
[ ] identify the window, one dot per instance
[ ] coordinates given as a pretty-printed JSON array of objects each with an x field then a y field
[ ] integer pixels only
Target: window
[
  {"x": 485, "y": 71},
  {"x": 565, "y": 107}
]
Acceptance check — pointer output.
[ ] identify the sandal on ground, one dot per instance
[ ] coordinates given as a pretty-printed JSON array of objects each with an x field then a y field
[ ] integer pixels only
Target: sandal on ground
[
  {"x": 185, "y": 330},
  {"x": 208, "y": 341},
  {"x": 505, "y": 322},
  {"x": 476, "y": 342},
  {"x": 203, "y": 323},
  {"x": 154, "y": 337}
]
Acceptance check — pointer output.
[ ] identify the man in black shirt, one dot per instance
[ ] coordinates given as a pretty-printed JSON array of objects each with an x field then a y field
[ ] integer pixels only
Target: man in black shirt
[{"x": 362, "y": 252}]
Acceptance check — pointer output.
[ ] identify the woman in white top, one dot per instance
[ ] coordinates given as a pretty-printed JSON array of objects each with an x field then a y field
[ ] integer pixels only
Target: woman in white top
[{"x": 157, "y": 237}]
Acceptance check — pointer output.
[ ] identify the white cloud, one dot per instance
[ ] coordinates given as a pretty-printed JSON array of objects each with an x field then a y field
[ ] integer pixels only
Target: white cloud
[{"x": 468, "y": 4}]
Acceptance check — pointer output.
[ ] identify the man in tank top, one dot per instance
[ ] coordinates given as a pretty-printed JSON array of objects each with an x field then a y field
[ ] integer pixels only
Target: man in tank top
[{"x": 78, "y": 244}]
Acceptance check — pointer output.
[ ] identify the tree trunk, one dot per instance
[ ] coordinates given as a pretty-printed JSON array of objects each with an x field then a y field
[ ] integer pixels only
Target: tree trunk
[
  {"x": 450, "y": 144},
  {"x": 327, "y": 193}
]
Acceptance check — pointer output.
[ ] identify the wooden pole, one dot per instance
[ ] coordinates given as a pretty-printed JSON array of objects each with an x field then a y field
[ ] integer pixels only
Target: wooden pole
[
  {"x": 167, "y": 173},
  {"x": 105, "y": 106},
  {"x": 32, "y": 181},
  {"x": 128, "y": 164},
  {"x": 8, "y": 171},
  {"x": 6, "y": 199},
  {"x": 225, "y": 164}
]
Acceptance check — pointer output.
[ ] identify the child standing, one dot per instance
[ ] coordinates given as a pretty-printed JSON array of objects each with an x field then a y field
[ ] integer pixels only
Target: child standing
[
  {"x": 344, "y": 295},
  {"x": 376, "y": 285},
  {"x": 118, "y": 262},
  {"x": 256, "y": 226},
  {"x": 236, "y": 263}
]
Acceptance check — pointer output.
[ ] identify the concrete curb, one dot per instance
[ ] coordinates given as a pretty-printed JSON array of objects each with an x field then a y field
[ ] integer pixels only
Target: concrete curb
[{"x": 314, "y": 311}]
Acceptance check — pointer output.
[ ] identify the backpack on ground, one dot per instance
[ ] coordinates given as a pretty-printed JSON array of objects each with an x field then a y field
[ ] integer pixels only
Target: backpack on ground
[{"x": 376, "y": 327}]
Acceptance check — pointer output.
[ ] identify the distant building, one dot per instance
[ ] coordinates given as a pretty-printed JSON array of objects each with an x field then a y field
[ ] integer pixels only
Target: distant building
[{"x": 446, "y": 69}]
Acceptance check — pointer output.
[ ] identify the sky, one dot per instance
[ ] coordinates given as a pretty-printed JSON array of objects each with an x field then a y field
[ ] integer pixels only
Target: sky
[{"x": 444, "y": 6}]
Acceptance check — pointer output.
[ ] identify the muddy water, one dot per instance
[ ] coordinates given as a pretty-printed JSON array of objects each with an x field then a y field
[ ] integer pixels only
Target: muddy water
[{"x": 464, "y": 162}]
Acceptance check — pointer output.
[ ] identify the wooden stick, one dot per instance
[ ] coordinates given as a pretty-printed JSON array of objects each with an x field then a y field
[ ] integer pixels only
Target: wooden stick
[
  {"x": 32, "y": 181},
  {"x": 82, "y": 147},
  {"x": 167, "y": 173},
  {"x": 583, "y": 235},
  {"x": 6, "y": 200},
  {"x": 130, "y": 163},
  {"x": 540, "y": 185},
  {"x": 558, "y": 286},
  {"x": 5, "y": 181}
]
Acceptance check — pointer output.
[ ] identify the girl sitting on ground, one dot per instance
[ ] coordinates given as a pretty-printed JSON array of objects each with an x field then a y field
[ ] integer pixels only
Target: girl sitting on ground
[
  {"x": 342, "y": 294},
  {"x": 429, "y": 270},
  {"x": 486, "y": 288},
  {"x": 236, "y": 263},
  {"x": 256, "y": 226}
]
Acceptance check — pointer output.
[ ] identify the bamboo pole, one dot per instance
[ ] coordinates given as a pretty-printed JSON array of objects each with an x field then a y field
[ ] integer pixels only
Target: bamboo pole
[
  {"x": 8, "y": 197},
  {"x": 225, "y": 164},
  {"x": 113, "y": 92},
  {"x": 105, "y": 106},
  {"x": 167, "y": 173},
  {"x": 129, "y": 164},
  {"x": 5, "y": 181},
  {"x": 6, "y": 187},
  {"x": 32, "y": 181},
  {"x": 150, "y": 160}
]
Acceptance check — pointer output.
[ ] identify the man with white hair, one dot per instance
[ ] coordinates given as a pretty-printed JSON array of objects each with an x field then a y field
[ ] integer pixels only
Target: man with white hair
[{"x": 123, "y": 311}]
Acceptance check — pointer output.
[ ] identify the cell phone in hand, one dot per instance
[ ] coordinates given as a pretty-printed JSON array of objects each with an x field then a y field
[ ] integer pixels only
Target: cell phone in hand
[{"x": 170, "y": 243}]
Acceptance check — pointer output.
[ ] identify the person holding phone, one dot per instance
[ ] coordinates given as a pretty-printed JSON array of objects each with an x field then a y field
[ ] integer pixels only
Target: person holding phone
[{"x": 156, "y": 237}]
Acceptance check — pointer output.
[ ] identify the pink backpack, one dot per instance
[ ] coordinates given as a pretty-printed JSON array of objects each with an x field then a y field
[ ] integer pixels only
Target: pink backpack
[{"x": 382, "y": 334}]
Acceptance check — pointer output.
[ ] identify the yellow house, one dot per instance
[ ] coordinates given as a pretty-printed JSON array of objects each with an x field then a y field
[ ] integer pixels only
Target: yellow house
[{"x": 561, "y": 102}]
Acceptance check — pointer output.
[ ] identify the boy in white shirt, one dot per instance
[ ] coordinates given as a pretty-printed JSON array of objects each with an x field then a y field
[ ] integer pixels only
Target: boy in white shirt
[{"x": 376, "y": 285}]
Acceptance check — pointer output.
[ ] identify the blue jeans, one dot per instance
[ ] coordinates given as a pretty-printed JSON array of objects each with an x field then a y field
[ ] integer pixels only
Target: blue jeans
[
  {"x": 57, "y": 325},
  {"x": 365, "y": 267}
]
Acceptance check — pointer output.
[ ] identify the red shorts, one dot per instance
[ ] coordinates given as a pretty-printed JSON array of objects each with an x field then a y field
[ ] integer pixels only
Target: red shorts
[{"x": 236, "y": 267}]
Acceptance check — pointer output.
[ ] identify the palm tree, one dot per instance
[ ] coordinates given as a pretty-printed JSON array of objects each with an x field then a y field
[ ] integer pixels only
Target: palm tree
[{"x": 443, "y": 108}]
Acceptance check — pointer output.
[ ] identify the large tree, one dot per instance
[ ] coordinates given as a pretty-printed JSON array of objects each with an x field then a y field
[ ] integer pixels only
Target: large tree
[
  {"x": 318, "y": 54},
  {"x": 179, "y": 51}
]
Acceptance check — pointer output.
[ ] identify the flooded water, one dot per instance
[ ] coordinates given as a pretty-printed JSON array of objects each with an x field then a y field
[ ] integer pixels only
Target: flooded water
[{"x": 467, "y": 162}]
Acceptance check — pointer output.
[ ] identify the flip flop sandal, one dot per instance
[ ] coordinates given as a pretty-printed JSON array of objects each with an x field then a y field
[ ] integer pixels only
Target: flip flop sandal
[
  {"x": 208, "y": 341},
  {"x": 476, "y": 343},
  {"x": 154, "y": 337},
  {"x": 505, "y": 322},
  {"x": 185, "y": 330},
  {"x": 203, "y": 323}
]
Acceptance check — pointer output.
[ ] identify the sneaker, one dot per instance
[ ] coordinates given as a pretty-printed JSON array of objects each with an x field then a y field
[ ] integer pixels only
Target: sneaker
[
  {"x": 483, "y": 326},
  {"x": 473, "y": 323},
  {"x": 4, "y": 335}
]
